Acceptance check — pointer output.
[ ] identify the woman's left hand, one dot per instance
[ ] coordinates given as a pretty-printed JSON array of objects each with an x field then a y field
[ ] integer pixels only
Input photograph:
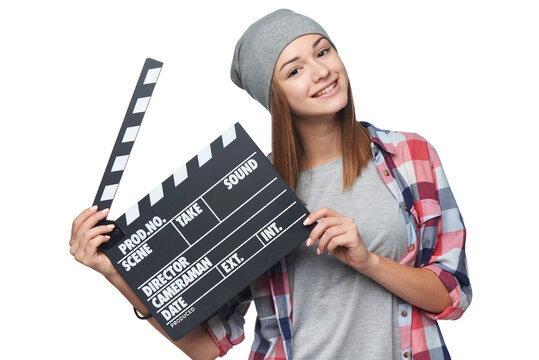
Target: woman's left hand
[{"x": 340, "y": 236}]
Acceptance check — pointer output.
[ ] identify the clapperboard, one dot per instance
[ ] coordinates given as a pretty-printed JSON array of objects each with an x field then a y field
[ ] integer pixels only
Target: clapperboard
[{"x": 200, "y": 237}]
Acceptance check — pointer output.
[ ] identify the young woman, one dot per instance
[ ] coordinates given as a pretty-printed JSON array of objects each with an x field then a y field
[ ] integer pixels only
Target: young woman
[{"x": 386, "y": 259}]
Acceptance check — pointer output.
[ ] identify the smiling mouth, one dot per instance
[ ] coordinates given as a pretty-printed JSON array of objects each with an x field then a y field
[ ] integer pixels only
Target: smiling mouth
[{"x": 326, "y": 90}]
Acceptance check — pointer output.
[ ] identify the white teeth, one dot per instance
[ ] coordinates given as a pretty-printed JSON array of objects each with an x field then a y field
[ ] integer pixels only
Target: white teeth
[{"x": 328, "y": 89}]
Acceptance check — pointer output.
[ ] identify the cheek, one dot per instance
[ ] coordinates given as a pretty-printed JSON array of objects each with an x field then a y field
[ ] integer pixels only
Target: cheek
[
  {"x": 340, "y": 68},
  {"x": 295, "y": 94}
]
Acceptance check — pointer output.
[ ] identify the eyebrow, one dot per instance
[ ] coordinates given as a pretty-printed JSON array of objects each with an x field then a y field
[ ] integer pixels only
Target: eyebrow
[{"x": 297, "y": 58}]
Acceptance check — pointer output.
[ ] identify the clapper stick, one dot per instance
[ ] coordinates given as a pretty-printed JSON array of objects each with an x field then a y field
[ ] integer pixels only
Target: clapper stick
[{"x": 126, "y": 138}]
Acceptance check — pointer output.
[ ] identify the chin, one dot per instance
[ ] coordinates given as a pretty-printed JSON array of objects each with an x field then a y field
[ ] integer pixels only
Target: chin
[{"x": 335, "y": 106}]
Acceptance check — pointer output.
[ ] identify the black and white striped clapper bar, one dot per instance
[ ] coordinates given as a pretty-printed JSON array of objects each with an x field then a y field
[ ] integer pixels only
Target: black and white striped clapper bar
[{"x": 207, "y": 231}]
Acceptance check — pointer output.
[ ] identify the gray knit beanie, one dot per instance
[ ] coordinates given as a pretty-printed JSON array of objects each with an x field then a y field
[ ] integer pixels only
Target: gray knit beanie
[{"x": 259, "y": 47}]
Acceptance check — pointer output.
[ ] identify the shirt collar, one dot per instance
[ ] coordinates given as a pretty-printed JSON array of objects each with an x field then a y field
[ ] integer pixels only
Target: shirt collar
[{"x": 379, "y": 137}]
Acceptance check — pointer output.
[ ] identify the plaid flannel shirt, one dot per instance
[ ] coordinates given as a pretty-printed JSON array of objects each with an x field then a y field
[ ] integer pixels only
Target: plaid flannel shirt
[{"x": 411, "y": 169}]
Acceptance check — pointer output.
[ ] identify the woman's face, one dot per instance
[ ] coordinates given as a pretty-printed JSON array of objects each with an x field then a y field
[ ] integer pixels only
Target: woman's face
[{"x": 312, "y": 76}]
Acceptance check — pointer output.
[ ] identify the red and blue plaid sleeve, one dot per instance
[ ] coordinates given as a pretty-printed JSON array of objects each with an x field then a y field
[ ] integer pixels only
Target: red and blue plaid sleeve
[
  {"x": 447, "y": 258},
  {"x": 226, "y": 325}
]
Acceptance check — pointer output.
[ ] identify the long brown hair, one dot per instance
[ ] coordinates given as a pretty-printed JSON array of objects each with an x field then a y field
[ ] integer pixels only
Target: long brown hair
[{"x": 288, "y": 150}]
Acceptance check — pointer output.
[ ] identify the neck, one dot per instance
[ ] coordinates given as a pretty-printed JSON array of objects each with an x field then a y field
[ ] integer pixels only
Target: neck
[{"x": 322, "y": 140}]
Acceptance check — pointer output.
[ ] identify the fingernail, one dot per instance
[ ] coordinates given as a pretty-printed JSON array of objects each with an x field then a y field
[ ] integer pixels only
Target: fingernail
[
  {"x": 306, "y": 221},
  {"x": 110, "y": 226},
  {"x": 318, "y": 251},
  {"x": 93, "y": 208},
  {"x": 105, "y": 211},
  {"x": 309, "y": 242}
]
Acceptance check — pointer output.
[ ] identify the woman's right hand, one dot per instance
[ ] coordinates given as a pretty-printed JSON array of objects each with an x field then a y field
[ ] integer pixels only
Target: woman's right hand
[
  {"x": 84, "y": 243},
  {"x": 85, "y": 240}
]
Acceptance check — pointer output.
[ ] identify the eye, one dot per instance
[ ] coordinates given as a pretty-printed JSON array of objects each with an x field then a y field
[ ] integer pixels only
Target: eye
[
  {"x": 323, "y": 52},
  {"x": 293, "y": 72}
]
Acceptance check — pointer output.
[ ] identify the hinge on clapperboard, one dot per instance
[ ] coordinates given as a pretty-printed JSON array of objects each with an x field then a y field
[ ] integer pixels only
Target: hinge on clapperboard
[{"x": 124, "y": 144}]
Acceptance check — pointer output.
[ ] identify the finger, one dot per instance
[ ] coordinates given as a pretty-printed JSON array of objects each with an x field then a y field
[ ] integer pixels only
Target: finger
[
  {"x": 98, "y": 230},
  {"x": 85, "y": 238},
  {"x": 320, "y": 213},
  {"x": 329, "y": 235},
  {"x": 81, "y": 218},
  {"x": 93, "y": 245},
  {"x": 85, "y": 234},
  {"x": 78, "y": 252},
  {"x": 321, "y": 227},
  {"x": 85, "y": 251},
  {"x": 96, "y": 242},
  {"x": 91, "y": 221},
  {"x": 341, "y": 240},
  {"x": 93, "y": 258},
  {"x": 90, "y": 233},
  {"x": 73, "y": 248}
]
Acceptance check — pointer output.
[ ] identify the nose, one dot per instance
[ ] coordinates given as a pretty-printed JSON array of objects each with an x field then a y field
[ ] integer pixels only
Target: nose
[{"x": 319, "y": 71}]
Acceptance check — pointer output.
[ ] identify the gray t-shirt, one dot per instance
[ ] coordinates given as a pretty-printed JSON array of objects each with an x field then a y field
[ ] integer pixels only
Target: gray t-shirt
[{"x": 338, "y": 313}]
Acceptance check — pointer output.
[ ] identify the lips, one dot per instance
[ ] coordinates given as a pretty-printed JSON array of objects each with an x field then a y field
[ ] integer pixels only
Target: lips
[{"x": 326, "y": 89}]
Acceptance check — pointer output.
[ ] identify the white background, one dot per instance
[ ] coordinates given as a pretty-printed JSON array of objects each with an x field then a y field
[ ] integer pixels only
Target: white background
[{"x": 463, "y": 74}]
